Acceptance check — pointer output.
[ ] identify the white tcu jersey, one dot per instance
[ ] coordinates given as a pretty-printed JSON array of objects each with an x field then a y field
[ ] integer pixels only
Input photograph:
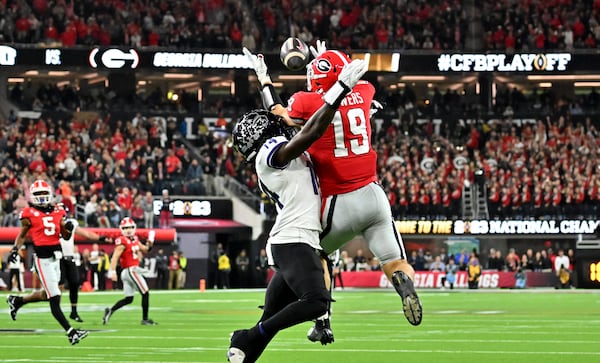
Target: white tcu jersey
[
  {"x": 295, "y": 191},
  {"x": 68, "y": 245}
]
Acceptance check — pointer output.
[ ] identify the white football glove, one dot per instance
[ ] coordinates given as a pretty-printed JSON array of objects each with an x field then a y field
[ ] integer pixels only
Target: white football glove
[
  {"x": 351, "y": 73},
  {"x": 349, "y": 76},
  {"x": 260, "y": 67},
  {"x": 320, "y": 49},
  {"x": 376, "y": 106}
]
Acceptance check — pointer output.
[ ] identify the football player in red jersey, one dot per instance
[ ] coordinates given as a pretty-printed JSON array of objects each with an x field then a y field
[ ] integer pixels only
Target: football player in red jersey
[
  {"x": 353, "y": 203},
  {"x": 45, "y": 222},
  {"x": 128, "y": 251}
]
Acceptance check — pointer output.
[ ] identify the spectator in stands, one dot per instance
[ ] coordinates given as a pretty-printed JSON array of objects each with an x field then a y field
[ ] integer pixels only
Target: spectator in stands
[
  {"x": 147, "y": 205},
  {"x": 360, "y": 261},
  {"x": 194, "y": 179},
  {"x": 437, "y": 265}
]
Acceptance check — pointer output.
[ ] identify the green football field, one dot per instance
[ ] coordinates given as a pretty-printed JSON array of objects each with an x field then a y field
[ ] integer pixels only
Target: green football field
[{"x": 459, "y": 326}]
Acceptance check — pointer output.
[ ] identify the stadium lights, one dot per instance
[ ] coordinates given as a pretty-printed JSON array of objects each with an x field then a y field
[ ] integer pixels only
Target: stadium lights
[
  {"x": 33, "y": 72},
  {"x": 423, "y": 78},
  {"x": 586, "y": 84},
  {"x": 292, "y": 77},
  {"x": 58, "y": 73},
  {"x": 16, "y": 80},
  {"x": 563, "y": 77},
  {"x": 89, "y": 75},
  {"x": 178, "y": 75},
  {"x": 545, "y": 84}
]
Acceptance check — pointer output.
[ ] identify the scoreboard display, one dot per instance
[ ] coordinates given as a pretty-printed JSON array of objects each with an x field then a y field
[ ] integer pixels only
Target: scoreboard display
[{"x": 587, "y": 264}]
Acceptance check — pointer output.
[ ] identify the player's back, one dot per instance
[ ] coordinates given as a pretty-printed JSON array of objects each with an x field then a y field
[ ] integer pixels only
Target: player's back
[
  {"x": 343, "y": 157},
  {"x": 295, "y": 192}
]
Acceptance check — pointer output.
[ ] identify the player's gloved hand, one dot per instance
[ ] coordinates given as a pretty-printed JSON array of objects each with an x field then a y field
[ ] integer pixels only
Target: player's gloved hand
[
  {"x": 259, "y": 66},
  {"x": 351, "y": 73},
  {"x": 14, "y": 255},
  {"x": 320, "y": 49},
  {"x": 376, "y": 106},
  {"x": 69, "y": 226},
  {"x": 347, "y": 79},
  {"x": 112, "y": 274},
  {"x": 103, "y": 239}
]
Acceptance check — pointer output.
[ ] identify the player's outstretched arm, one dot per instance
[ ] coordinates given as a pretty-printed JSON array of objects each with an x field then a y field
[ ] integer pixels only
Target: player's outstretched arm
[{"x": 319, "y": 121}]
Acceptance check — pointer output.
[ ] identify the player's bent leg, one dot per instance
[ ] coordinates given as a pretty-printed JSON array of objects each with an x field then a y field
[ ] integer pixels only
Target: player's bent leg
[{"x": 401, "y": 274}]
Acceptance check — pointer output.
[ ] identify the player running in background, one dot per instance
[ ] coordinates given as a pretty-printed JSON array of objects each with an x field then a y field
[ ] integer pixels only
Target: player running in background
[
  {"x": 345, "y": 163},
  {"x": 45, "y": 222},
  {"x": 68, "y": 264},
  {"x": 297, "y": 291},
  {"x": 128, "y": 252}
]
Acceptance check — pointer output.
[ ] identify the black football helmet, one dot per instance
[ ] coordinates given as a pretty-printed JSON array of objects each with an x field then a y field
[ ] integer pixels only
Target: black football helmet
[{"x": 256, "y": 127}]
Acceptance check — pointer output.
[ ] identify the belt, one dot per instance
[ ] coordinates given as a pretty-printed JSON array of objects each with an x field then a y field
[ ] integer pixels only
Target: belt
[{"x": 69, "y": 258}]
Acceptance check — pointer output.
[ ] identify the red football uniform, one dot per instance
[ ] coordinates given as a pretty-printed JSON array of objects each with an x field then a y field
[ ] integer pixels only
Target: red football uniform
[
  {"x": 343, "y": 157},
  {"x": 45, "y": 226},
  {"x": 129, "y": 257}
]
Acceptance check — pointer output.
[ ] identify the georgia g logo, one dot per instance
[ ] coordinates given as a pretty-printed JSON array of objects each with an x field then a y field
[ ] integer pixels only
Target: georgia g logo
[
  {"x": 113, "y": 58},
  {"x": 323, "y": 65}
]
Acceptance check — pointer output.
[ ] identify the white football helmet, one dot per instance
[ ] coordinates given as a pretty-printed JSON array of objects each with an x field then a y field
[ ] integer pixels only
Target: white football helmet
[
  {"x": 40, "y": 193},
  {"x": 127, "y": 227}
]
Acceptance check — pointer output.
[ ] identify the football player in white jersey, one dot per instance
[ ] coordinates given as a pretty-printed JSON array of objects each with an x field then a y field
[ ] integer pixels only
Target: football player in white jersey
[
  {"x": 70, "y": 262},
  {"x": 297, "y": 291}
]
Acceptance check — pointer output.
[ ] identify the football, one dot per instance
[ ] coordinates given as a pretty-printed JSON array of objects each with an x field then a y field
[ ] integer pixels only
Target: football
[{"x": 294, "y": 54}]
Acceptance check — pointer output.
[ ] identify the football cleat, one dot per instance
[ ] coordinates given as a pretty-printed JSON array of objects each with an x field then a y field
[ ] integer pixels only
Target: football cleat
[
  {"x": 240, "y": 343},
  {"x": 410, "y": 301},
  {"x": 321, "y": 332},
  {"x": 76, "y": 317},
  {"x": 149, "y": 322},
  {"x": 107, "y": 314},
  {"x": 75, "y": 335},
  {"x": 13, "y": 305}
]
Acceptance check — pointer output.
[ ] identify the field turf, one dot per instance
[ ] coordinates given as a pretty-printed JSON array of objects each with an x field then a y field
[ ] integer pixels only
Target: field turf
[{"x": 484, "y": 326}]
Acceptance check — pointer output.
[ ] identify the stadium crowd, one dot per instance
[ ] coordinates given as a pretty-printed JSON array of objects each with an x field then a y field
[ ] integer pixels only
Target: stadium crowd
[{"x": 263, "y": 25}]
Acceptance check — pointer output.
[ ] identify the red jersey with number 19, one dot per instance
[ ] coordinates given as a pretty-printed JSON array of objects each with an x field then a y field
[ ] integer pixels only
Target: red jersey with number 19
[
  {"x": 129, "y": 257},
  {"x": 343, "y": 157},
  {"x": 45, "y": 226}
]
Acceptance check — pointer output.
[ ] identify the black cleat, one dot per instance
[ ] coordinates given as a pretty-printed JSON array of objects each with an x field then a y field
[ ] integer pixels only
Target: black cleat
[
  {"x": 14, "y": 304},
  {"x": 107, "y": 314},
  {"x": 240, "y": 343},
  {"x": 410, "y": 301},
  {"x": 149, "y": 322},
  {"x": 321, "y": 332},
  {"x": 76, "y": 317},
  {"x": 75, "y": 335}
]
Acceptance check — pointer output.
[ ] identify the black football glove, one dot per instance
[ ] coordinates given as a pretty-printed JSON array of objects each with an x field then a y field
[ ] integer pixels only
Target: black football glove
[
  {"x": 14, "y": 255},
  {"x": 69, "y": 226}
]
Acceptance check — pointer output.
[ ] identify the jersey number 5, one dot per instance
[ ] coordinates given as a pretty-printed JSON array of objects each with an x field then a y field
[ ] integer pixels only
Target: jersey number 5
[
  {"x": 49, "y": 226},
  {"x": 357, "y": 136}
]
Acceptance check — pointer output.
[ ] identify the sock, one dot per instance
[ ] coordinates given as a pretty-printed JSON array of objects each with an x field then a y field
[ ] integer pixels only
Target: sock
[
  {"x": 145, "y": 305},
  {"x": 125, "y": 301},
  {"x": 57, "y": 312}
]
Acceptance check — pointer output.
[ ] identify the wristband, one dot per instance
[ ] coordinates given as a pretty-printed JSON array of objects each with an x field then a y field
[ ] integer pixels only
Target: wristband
[
  {"x": 336, "y": 94},
  {"x": 270, "y": 97},
  {"x": 102, "y": 239}
]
